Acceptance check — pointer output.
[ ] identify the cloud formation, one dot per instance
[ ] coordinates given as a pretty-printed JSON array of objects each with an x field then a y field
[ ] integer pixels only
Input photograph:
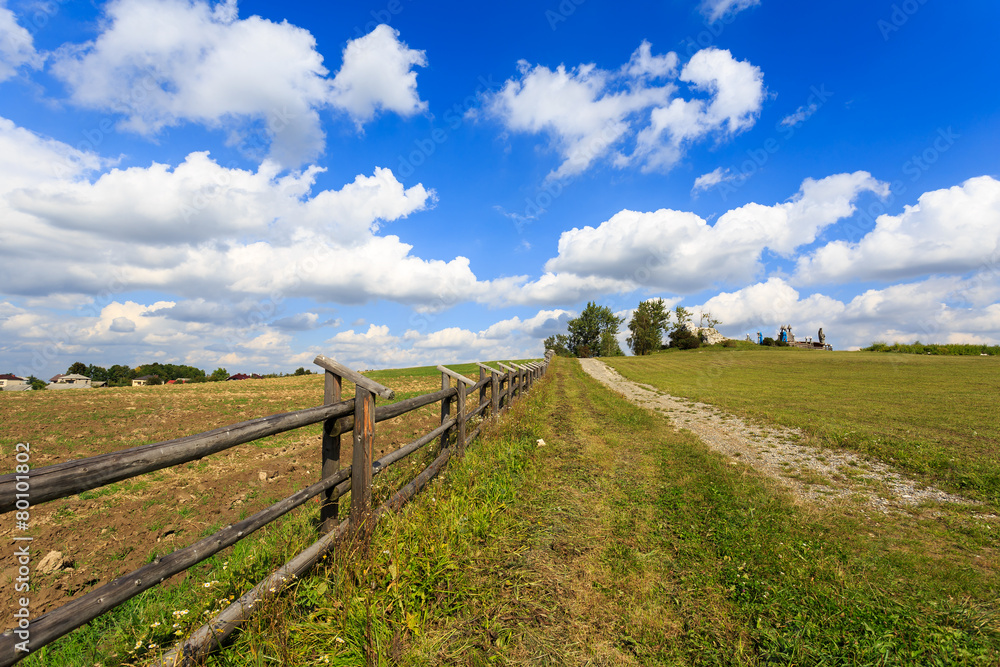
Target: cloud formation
[
  {"x": 679, "y": 252},
  {"x": 377, "y": 74},
  {"x": 932, "y": 310},
  {"x": 161, "y": 63},
  {"x": 711, "y": 179},
  {"x": 952, "y": 231},
  {"x": 17, "y": 47},
  {"x": 716, "y": 9},
  {"x": 203, "y": 230},
  {"x": 593, "y": 114}
]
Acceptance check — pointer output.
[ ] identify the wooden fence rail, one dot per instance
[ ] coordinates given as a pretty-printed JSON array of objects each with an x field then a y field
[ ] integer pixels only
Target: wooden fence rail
[{"x": 357, "y": 416}]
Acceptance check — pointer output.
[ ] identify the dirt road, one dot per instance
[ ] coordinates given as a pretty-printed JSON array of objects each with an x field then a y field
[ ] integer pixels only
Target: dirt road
[{"x": 813, "y": 474}]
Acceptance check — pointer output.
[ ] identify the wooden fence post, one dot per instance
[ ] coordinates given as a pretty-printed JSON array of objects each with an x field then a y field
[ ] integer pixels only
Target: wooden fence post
[
  {"x": 445, "y": 409},
  {"x": 460, "y": 386},
  {"x": 495, "y": 394},
  {"x": 361, "y": 465},
  {"x": 482, "y": 389},
  {"x": 329, "y": 508},
  {"x": 461, "y": 391},
  {"x": 509, "y": 392}
]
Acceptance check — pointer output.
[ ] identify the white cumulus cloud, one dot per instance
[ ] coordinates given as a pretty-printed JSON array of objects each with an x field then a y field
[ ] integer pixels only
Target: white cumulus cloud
[
  {"x": 593, "y": 114},
  {"x": 200, "y": 230},
  {"x": 378, "y": 74},
  {"x": 680, "y": 252},
  {"x": 17, "y": 47},
  {"x": 160, "y": 63},
  {"x": 951, "y": 231}
]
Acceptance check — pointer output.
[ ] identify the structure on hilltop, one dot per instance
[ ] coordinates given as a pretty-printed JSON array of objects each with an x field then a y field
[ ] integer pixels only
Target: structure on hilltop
[{"x": 786, "y": 337}]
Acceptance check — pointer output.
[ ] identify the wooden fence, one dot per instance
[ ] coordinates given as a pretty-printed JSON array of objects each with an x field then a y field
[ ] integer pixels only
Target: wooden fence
[{"x": 358, "y": 416}]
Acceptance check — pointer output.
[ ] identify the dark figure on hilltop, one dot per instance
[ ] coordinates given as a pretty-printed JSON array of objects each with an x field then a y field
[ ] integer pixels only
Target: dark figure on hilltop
[{"x": 821, "y": 336}]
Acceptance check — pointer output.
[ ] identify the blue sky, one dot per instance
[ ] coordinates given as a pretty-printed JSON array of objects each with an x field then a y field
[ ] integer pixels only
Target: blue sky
[{"x": 399, "y": 183}]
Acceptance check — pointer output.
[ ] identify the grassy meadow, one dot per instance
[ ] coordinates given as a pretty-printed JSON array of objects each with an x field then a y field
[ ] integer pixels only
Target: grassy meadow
[
  {"x": 106, "y": 532},
  {"x": 581, "y": 529},
  {"x": 585, "y": 530},
  {"x": 936, "y": 417}
]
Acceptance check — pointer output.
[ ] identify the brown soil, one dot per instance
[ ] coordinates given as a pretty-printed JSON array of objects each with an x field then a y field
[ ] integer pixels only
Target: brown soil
[{"x": 111, "y": 531}]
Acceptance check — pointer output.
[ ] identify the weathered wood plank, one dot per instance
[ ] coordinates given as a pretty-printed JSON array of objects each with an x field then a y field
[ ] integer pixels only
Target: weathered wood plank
[
  {"x": 457, "y": 376},
  {"x": 480, "y": 409},
  {"x": 494, "y": 394},
  {"x": 384, "y": 412},
  {"x": 80, "y": 611},
  {"x": 446, "y": 408},
  {"x": 406, "y": 450},
  {"x": 483, "y": 381},
  {"x": 361, "y": 476},
  {"x": 329, "y": 508},
  {"x": 214, "y": 634},
  {"x": 420, "y": 481},
  {"x": 72, "y": 477},
  {"x": 461, "y": 419},
  {"x": 357, "y": 378}
]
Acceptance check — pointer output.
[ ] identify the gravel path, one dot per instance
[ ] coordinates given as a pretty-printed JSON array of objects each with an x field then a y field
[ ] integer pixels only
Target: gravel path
[{"x": 814, "y": 474}]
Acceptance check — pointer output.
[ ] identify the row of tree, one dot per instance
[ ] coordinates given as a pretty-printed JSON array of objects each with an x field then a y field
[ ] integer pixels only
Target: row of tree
[
  {"x": 122, "y": 376},
  {"x": 594, "y": 333},
  {"x": 119, "y": 375}
]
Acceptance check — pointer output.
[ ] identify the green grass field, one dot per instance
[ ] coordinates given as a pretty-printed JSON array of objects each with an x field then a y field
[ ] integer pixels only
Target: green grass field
[
  {"x": 622, "y": 541},
  {"x": 584, "y": 530},
  {"x": 933, "y": 416}
]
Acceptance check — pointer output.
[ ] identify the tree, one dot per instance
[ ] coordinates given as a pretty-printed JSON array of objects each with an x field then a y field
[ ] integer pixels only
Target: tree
[
  {"x": 219, "y": 374},
  {"x": 97, "y": 373},
  {"x": 301, "y": 371},
  {"x": 35, "y": 383},
  {"x": 647, "y": 326},
  {"x": 683, "y": 317},
  {"x": 683, "y": 335},
  {"x": 593, "y": 332},
  {"x": 558, "y": 344},
  {"x": 120, "y": 375},
  {"x": 609, "y": 346},
  {"x": 78, "y": 368}
]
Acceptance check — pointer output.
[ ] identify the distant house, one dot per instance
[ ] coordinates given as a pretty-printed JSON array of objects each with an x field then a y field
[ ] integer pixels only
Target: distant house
[
  {"x": 144, "y": 380},
  {"x": 11, "y": 382},
  {"x": 179, "y": 381},
  {"x": 71, "y": 381},
  {"x": 239, "y": 376}
]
